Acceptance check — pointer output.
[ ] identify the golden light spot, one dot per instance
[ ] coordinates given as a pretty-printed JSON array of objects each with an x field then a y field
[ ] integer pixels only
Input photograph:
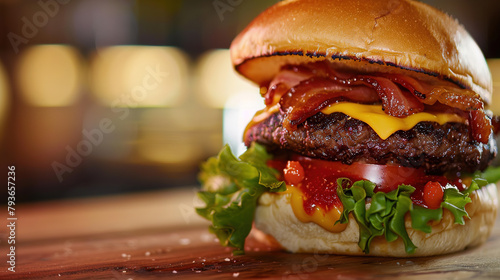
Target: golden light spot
[
  {"x": 50, "y": 75},
  {"x": 139, "y": 76}
]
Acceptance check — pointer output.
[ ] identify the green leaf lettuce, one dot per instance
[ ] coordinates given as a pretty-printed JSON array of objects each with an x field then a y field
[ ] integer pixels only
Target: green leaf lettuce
[
  {"x": 231, "y": 188},
  {"x": 386, "y": 214}
]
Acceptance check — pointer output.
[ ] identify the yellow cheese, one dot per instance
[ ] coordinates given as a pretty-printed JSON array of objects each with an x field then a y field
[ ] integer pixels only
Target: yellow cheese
[
  {"x": 385, "y": 125},
  {"x": 320, "y": 217}
]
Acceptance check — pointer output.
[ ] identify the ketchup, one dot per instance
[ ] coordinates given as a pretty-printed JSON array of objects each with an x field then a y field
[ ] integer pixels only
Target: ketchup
[{"x": 318, "y": 182}]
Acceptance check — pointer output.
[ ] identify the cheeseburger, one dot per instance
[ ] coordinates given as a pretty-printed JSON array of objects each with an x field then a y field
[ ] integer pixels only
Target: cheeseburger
[{"x": 375, "y": 137}]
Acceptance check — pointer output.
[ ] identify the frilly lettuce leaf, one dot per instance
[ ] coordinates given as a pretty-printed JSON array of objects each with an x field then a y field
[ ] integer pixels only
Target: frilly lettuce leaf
[
  {"x": 231, "y": 188},
  {"x": 386, "y": 213},
  {"x": 384, "y": 216}
]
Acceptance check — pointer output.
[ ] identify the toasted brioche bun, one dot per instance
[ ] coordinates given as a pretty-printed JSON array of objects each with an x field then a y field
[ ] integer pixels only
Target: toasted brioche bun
[
  {"x": 367, "y": 35},
  {"x": 274, "y": 217}
]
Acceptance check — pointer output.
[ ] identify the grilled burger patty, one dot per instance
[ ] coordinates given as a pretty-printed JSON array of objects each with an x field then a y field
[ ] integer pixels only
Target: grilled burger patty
[{"x": 338, "y": 137}]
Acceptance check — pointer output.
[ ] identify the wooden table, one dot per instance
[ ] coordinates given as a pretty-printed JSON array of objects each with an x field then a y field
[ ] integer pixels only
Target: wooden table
[{"x": 158, "y": 235}]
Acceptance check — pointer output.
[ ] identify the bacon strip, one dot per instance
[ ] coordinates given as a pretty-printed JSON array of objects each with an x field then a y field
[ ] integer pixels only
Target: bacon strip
[
  {"x": 427, "y": 93},
  {"x": 480, "y": 125},
  {"x": 310, "y": 96},
  {"x": 285, "y": 80},
  {"x": 304, "y": 90},
  {"x": 395, "y": 102},
  {"x": 408, "y": 83}
]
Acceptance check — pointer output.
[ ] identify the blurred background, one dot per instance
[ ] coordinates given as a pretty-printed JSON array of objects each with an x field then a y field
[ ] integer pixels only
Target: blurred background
[{"x": 117, "y": 96}]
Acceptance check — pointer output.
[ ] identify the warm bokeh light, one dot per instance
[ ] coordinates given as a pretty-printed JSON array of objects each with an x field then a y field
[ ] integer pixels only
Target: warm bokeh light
[
  {"x": 139, "y": 76},
  {"x": 166, "y": 141},
  {"x": 4, "y": 97},
  {"x": 50, "y": 75},
  {"x": 218, "y": 81},
  {"x": 494, "y": 65}
]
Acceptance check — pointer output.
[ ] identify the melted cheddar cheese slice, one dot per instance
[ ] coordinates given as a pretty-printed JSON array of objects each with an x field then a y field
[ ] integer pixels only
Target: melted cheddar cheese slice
[{"x": 385, "y": 125}]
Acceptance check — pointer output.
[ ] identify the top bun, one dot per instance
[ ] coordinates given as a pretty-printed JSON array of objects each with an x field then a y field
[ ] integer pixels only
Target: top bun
[{"x": 368, "y": 35}]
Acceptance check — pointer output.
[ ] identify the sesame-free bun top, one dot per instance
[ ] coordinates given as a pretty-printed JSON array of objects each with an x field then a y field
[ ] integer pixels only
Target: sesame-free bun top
[{"x": 368, "y": 35}]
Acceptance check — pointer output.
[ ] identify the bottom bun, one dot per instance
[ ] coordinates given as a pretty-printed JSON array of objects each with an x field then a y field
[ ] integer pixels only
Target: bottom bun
[{"x": 274, "y": 216}]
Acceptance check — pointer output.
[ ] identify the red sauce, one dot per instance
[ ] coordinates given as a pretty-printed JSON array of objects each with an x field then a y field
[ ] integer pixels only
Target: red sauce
[
  {"x": 294, "y": 172},
  {"x": 433, "y": 194},
  {"x": 319, "y": 185}
]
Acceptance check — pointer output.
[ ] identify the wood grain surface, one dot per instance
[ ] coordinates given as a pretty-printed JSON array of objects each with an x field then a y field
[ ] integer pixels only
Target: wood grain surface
[{"x": 158, "y": 235}]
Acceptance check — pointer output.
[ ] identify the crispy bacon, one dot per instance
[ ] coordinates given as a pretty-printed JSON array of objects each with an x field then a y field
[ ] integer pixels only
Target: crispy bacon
[
  {"x": 481, "y": 125},
  {"x": 285, "y": 80},
  {"x": 304, "y": 90},
  {"x": 408, "y": 83},
  {"x": 310, "y": 96},
  {"x": 395, "y": 101},
  {"x": 462, "y": 99},
  {"x": 442, "y": 92}
]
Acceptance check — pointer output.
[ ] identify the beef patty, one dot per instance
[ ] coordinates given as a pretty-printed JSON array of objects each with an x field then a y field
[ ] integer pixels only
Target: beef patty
[{"x": 338, "y": 137}]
